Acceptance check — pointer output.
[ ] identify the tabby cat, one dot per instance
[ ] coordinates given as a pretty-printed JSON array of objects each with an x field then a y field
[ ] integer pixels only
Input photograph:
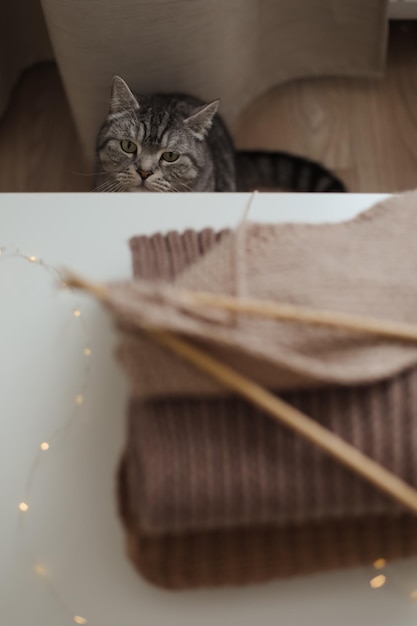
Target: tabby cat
[{"x": 177, "y": 143}]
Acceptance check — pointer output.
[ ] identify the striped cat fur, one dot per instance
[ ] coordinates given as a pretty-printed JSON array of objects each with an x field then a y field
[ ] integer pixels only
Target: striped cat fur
[{"x": 176, "y": 143}]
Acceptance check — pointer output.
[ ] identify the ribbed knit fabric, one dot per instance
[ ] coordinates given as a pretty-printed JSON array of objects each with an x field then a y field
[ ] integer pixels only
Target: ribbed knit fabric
[
  {"x": 199, "y": 464},
  {"x": 239, "y": 556},
  {"x": 213, "y": 492}
]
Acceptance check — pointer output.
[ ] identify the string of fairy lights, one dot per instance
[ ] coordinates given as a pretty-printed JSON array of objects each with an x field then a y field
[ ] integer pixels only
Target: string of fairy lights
[
  {"x": 73, "y": 412},
  {"x": 377, "y": 581}
]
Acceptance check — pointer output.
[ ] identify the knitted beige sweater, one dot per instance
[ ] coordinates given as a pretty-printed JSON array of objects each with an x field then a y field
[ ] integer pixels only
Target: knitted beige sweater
[{"x": 366, "y": 266}]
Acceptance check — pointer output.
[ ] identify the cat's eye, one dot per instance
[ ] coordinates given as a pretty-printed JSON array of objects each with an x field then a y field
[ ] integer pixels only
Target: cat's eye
[
  {"x": 128, "y": 146},
  {"x": 170, "y": 157}
]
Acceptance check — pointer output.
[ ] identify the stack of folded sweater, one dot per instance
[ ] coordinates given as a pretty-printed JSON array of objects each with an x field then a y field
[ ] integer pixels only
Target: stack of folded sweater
[{"x": 211, "y": 490}]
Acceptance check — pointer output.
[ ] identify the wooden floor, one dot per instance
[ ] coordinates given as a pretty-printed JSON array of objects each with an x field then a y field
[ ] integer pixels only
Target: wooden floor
[
  {"x": 366, "y": 130},
  {"x": 39, "y": 148}
]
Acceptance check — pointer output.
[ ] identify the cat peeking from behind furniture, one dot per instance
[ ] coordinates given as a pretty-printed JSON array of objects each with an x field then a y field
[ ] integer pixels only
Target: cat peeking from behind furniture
[{"x": 178, "y": 143}]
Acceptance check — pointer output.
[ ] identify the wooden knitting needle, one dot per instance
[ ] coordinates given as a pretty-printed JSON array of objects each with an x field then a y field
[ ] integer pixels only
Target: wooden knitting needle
[
  {"x": 283, "y": 412},
  {"x": 303, "y": 315},
  {"x": 278, "y": 409},
  {"x": 400, "y": 331},
  {"x": 78, "y": 282}
]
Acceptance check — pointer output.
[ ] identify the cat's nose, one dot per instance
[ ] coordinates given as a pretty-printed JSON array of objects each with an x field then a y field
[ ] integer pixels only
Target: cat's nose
[{"x": 144, "y": 175}]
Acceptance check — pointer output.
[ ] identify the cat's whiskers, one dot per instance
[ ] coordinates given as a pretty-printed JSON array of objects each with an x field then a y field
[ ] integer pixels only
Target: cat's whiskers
[
  {"x": 117, "y": 188},
  {"x": 127, "y": 180},
  {"x": 109, "y": 186},
  {"x": 181, "y": 188},
  {"x": 106, "y": 183},
  {"x": 103, "y": 187},
  {"x": 159, "y": 185}
]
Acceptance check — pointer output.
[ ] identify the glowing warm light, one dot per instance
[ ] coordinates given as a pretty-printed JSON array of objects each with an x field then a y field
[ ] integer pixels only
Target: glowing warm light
[
  {"x": 378, "y": 581},
  {"x": 413, "y": 594},
  {"x": 39, "y": 570},
  {"x": 379, "y": 563}
]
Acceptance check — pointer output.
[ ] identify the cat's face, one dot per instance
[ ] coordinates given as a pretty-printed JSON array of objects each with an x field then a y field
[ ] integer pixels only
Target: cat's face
[{"x": 152, "y": 143}]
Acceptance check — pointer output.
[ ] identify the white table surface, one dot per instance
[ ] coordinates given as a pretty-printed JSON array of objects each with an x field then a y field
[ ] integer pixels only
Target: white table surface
[{"x": 71, "y": 527}]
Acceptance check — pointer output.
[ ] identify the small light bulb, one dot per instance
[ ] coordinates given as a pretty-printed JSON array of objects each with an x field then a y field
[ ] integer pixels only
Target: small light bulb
[
  {"x": 378, "y": 581},
  {"x": 33, "y": 259},
  {"x": 413, "y": 594},
  {"x": 79, "y": 620},
  {"x": 87, "y": 351},
  {"x": 79, "y": 399},
  {"x": 44, "y": 446},
  {"x": 379, "y": 563},
  {"x": 77, "y": 313},
  {"x": 39, "y": 570},
  {"x": 23, "y": 507}
]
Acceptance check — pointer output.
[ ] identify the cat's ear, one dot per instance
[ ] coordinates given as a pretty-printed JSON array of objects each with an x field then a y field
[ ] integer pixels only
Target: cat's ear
[
  {"x": 121, "y": 97},
  {"x": 201, "y": 120}
]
